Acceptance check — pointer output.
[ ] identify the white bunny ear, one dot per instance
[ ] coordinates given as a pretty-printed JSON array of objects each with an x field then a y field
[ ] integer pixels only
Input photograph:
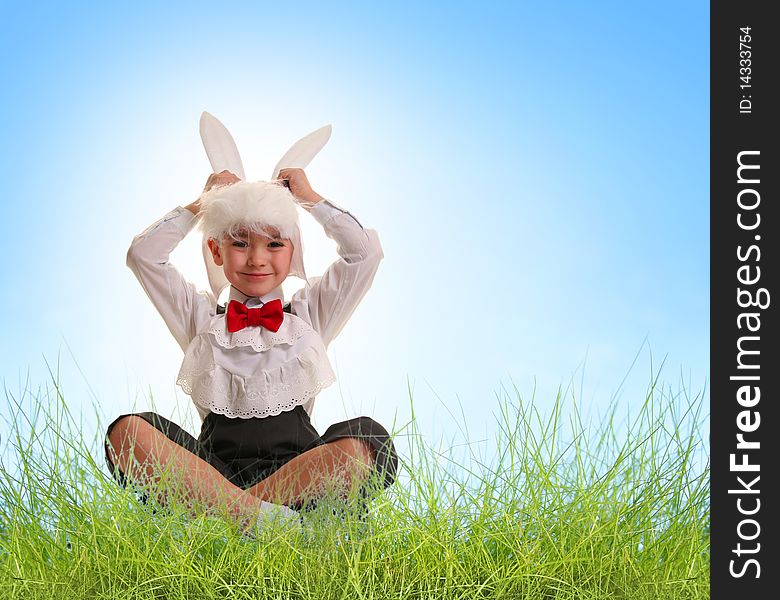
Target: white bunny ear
[
  {"x": 223, "y": 155},
  {"x": 303, "y": 151},
  {"x": 220, "y": 146}
]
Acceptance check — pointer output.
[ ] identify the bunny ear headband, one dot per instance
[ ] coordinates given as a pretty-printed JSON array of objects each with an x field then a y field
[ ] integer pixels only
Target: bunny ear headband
[{"x": 276, "y": 207}]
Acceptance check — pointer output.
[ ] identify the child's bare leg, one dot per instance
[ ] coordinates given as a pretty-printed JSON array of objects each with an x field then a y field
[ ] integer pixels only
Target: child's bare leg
[
  {"x": 344, "y": 463},
  {"x": 146, "y": 456}
]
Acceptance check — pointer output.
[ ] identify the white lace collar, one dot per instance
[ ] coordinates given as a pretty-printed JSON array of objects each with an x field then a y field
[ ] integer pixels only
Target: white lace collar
[{"x": 222, "y": 372}]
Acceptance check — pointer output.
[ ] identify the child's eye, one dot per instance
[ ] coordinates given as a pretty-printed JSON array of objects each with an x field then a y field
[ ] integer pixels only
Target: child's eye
[
  {"x": 239, "y": 244},
  {"x": 276, "y": 245}
]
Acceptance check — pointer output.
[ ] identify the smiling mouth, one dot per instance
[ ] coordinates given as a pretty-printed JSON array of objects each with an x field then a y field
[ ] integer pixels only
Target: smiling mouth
[{"x": 258, "y": 275}]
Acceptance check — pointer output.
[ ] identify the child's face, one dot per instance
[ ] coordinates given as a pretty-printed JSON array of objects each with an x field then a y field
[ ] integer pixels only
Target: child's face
[{"x": 254, "y": 264}]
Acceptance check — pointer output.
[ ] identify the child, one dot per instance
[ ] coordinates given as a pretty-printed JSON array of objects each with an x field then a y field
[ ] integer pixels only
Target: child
[{"x": 254, "y": 369}]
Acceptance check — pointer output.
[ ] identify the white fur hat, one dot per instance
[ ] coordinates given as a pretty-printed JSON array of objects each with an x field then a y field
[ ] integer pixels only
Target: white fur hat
[{"x": 251, "y": 205}]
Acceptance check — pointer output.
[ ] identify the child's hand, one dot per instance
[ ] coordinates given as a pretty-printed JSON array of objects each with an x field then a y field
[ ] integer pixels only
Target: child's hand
[
  {"x": 299, "y": 185},
  {"x": 215, "y": 179},
  {"x": 221, "y": 178}
]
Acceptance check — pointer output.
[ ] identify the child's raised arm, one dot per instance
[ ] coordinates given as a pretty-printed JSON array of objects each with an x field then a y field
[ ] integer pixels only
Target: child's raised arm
[
  {"x": 332, "y": 298},
  {"x": 182, "y": 307}
]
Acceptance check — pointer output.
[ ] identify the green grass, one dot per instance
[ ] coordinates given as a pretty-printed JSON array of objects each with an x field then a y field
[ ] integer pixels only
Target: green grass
[{"x": 566, "y": 509}]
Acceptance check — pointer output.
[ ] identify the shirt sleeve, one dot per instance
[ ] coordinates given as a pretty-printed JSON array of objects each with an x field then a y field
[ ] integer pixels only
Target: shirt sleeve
[
  {"x": 332, "y": 298},
  {"x": 182, "y": 307}
]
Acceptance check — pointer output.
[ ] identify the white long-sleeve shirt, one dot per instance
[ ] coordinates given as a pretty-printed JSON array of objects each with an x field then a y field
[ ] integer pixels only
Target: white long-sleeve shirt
[{"x": 256, "y": 372}]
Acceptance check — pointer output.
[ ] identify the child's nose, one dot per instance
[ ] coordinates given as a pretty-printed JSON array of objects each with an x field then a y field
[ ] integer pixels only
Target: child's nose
[{"x": 258, "y": 255}]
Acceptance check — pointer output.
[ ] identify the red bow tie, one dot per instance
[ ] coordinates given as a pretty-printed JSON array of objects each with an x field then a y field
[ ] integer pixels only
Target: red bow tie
[{"x": 270, "y": 315}]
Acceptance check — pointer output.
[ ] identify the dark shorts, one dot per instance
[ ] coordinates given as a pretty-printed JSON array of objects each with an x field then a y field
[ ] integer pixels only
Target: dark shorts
[{"x": 246, "y": 451}]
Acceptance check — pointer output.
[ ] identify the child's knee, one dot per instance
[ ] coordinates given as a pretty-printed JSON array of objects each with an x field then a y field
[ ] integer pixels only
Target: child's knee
[
  {"x": 124, "y": 431},
  {"x": 360, "y": 451}
]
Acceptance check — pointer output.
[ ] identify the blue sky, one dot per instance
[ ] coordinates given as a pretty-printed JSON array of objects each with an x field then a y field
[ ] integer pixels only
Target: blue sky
[{"x": 538, "y": 174}]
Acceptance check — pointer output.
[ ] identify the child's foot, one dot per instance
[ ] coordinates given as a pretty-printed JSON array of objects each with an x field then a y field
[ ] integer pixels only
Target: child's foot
[
  {"x": 272, "y": 511},
  {"x": 271, "y": 515}
]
